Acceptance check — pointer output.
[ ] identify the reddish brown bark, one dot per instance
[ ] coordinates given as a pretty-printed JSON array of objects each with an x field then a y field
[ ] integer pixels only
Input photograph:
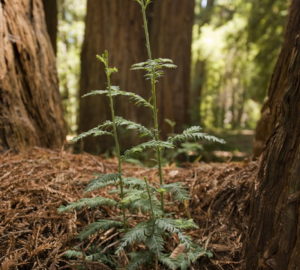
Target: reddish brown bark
[
  {"x": 268, "y": 120},
  {"x": 113, "y": 25},
  {"x": 273, "y": 241},
  {"x": 30, "y": 109},
  {"x": 172, "y": 38},
  {"x": 116, "y": 25}
]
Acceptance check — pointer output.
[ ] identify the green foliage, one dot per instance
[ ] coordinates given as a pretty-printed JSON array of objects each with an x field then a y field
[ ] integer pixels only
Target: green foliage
[
  {"x": 96, "y": 132},
  {"x": 115, "y": 91},
  {"x": 130, "y": 125},
  {"x": 87, "y": 202},
  {"x": 146, "y": 241},
  {"x": 153, "y": 144},
  {"x": 103, "y": 181},
  {"x": 178, "y": 192},
  {"x": 193, "y": 134},
  {"x": 102, "y": 225},
  {"x": 154, "y": 68}
]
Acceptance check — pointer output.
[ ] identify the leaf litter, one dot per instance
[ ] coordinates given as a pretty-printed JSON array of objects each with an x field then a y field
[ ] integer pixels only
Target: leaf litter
[{"x": 33, "y": 184}]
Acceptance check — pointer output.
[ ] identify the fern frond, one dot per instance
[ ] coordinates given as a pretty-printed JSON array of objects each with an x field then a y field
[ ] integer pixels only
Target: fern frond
[
  {"x": 87, "y": 202},
  {"x": 154, "y": 67},
  {"x": 136, "y": 199},
  {"x": 134, "y": 182},
  {"x": 137, "y": 99},
  {"x": 168, "y": 262},
  {"x": 137, "y": 234},
  {"x": 155, "y": 243},
  {"x": 153, "y": 144},
  {"x": 169, "y": 225},
  {"x": 94, "y": 227},
  {"x": 103, "y": 181},
  {"x": 193, "y": 134},
  {"x": 185, "y": 260},
  {"x": 137, "y": 259},
  {"x": 134, "y": 126},
  {"x": 74, "y": 254},
  {"x": 178, "y": 192},
  {"x": 143, "y": 205},
  {"x": 97, "y": 131},
  {"x": 96, "y": 92},
  {"x": 185, "y": 224}
]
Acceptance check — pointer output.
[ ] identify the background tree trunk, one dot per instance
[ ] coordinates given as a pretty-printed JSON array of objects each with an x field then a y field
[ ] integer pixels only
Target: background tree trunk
[
  {"x": 274, "y": 236},
  {"x": 172, "y": 38},
  {"x": 113, "y": 25},
  {"x": 30, "y": 108},
  {"x": 50, "y": 9},
  {"x": 116, "y": 25}
]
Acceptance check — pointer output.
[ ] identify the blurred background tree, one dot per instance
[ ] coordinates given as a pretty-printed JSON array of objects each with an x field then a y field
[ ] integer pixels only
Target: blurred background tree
[{"x": 235, "y": 45}]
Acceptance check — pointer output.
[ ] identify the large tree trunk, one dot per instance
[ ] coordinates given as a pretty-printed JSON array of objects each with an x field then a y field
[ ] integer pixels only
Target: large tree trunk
[
  {"x": 30, "y": 108},
  {"x": 267, "y": 122},
  {"x": 113, "y": 25},
  {"x": 172, "y": 38},
  {"x": 116, "y": 25},
  {"x": 50, "y": 8},
  {"x": 274, "y": 236}
]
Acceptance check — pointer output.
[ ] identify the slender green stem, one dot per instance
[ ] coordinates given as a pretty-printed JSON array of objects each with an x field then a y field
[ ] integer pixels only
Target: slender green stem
[
  {"x": 116, "y": 139},
  {"x": 154, "y": 103},
  {"x": 150, "y": 199},
  {"x": 148, "y": 46}
]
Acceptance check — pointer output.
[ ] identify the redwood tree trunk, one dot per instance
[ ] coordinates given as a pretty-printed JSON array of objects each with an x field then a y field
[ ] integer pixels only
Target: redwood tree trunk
[
  {"x": 172, "y": 38},
  {"x": 113, "y": 25},
  {"x": 116, "y": 25},
  {"x": 50, "y": 8},
  {"x": 30, "y": 108},
  {"x": 274, "y": 236}
]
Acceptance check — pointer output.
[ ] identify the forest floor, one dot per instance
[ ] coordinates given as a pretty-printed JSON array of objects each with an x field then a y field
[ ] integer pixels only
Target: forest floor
[{"x": 34, "y": 184}]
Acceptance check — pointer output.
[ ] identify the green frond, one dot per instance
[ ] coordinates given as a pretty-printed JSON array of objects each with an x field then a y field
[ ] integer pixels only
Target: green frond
[
  {"x": 185, "y": 224},
  {"x": 153, "y": 144},
  {"x": 134, "y": 182},
  {"x": 168, "y": 262},
  {"x": 96, "y": 92},
  {"x": 193, "y": 134},
  {"x": 71, "y": 254},
  {"x": 154, "y": 67},
  {"x": 137, "y": 99},
  {"x": 138, "y": 259},
  {"x": 103, "y": 181},
  {"x": 136, "y": 199},
  {"x": 103, "y": 224},
  {"x": 143, "y": 205},
  {"x": 87, "y": 202},
  {"x": 177, "y": 191},
  {"x": 133, "y": 126},
  {"x": 170, "y": 226},
  {"x": 97, "y": 131},
  {"x": 195, "y": 252},
  {"x": 137, "y": 234},
  {"x": 155, "y": 243}
]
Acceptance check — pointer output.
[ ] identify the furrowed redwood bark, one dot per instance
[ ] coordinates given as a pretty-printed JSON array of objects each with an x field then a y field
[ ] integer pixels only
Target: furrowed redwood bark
[
  {"x": 30, "y": 108},
  {"x": 273, "y": 241}
]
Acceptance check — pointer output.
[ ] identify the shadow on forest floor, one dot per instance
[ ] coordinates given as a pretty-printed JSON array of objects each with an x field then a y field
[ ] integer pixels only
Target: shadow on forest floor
[{"x": 33, "y": 184}]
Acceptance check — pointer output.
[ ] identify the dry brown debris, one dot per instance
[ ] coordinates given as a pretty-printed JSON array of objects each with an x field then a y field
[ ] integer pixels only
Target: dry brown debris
[{"x": 33, "y": 184}]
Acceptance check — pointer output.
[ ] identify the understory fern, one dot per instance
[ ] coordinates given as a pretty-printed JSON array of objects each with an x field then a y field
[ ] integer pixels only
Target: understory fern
[{"x": 146, "y": 227}]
